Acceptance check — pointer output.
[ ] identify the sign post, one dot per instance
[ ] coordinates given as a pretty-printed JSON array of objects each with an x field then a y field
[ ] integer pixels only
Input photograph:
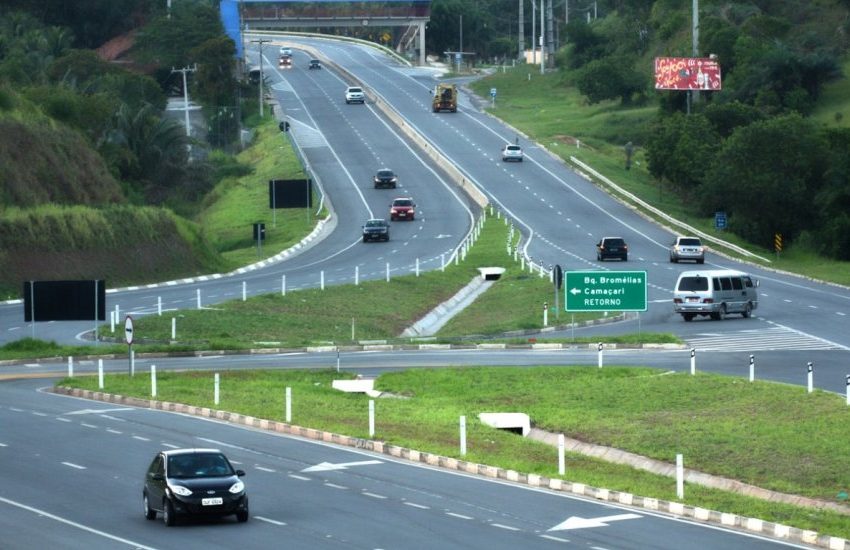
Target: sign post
[
  {"x": 605, "y": 291},
  {"x": 128, "y": 337},
  {"x": 492, "y": 97}
]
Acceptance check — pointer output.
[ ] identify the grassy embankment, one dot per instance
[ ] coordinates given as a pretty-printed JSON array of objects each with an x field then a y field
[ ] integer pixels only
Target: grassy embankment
[
  {"x": 557, "y": 116},
  {"x": 757, "y": 432}
]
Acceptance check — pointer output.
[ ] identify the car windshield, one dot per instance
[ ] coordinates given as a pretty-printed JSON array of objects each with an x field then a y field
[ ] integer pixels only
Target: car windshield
[
  {"x": 375, "y": 223},
  {"x": 198, "y": 465},
  {"x": 385, "y": 173},
  {"x": 355, "y": 90},
  {"x": 689, "y": 242},
  {"x": 693, "y": 283},
  {"x": 403, "y": 202},
  {"x": 513, "y": 148},
  {"x": 614, "y": 242}
]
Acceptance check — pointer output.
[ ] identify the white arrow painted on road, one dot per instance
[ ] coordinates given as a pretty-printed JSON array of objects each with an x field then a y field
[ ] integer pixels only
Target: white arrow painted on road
[
  {"x": 581, "y": 523},
  {"x": 575, "y": 291},
  {"x": 327, "y": 466}
]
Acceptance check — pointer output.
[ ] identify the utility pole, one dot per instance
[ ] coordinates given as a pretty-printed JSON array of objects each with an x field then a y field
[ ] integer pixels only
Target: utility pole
[
  {"x": 521, "y": 32},
  {"x": 185, "y": 70},
  {"x": 550, "y": 35},
  {"x": 695, "y": 30},
  {"x": 542, "y": 38},
  {"x": 533, "y": 33},
  {"x": 261, "y": 41}
]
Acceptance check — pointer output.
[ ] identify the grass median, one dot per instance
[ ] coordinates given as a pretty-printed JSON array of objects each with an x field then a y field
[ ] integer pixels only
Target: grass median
[{"x": 759, "y": 433}]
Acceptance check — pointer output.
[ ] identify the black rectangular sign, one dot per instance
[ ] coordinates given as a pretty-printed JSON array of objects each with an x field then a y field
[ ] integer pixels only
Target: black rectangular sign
[
  {"x": 65, "y": 300},
  {"x": 290, "y": 193}
]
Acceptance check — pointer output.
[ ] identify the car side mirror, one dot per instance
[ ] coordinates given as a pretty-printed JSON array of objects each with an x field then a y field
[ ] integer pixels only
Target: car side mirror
[{"x": 240, "y": 473}]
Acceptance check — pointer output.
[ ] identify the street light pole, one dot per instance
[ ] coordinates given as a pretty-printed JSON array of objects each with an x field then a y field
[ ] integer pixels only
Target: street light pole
[{"x": 261, "y": 41}]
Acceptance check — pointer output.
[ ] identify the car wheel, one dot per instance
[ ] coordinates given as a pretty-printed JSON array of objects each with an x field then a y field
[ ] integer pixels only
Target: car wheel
[
  {"x": 672, "y": 259},
  {"x": 149, "y": 512},
  {"x": 701, "y": 261},
  {"x": 688, "y": 317},
  {"x": 748, "y": 311},
  {"x": 625, "y": 257},
  {"x": 168, "y": 515},
  {"x": 242, "y": 515}
]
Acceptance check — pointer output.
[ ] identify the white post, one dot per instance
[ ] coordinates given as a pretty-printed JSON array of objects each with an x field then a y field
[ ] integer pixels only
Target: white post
[
  {"x": 417, "y": 267},
  {"x": 356, "y": 275},
  {"x": 545, "y": 314},
  {"x": 599, "y": 354},
  {"x": 153, "y": 380},
  {"x": 174, "y": 328},
  {"x": 288, "y": 405},
  {"x": 680, "y": 477},
  {"x": 198, "y": 296},
  {"x": 388, "y": 271},
  {"x": 752, "y": 368},
  {"x": 457, "y": 258},
  {"x": 322, "y": 279},
  {"x": 848, "y": 389},
  {"x": 244, "y": 291},
  {"x": 283, "y": 285},
  {"x": 132, "y": 362},
  {"x": 542, "y": 271},
  {"x": 117, "y": 313},
  {"x": 71, "y": 368},
  {"x": 159, "y": 306},
  {"x": 100, "y": 373},
  {"x": 522, "y": 263},
  {"x": 111, "y": 321},
  {"x": 463, "y": 435},
  {"x": 693, "y": 361},
  {"x": 337, "y": 358},
  {"x": 562, "y": 466},
  {"x": 371, "y": 418},
  {"x": 352, "y": 329},
  {"x": 442, "y": 262},
  {"x": 811, "y": 375}
]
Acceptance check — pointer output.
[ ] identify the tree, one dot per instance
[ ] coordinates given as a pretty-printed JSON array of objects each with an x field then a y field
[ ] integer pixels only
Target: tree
[
  {"x": 680, "y": 148},
  {"x": 610, "y": 78},
  {"x": 214, "y": 82}
]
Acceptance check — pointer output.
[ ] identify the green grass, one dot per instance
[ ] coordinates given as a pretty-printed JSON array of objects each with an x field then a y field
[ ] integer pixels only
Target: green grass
[
  {"x": 551, "y": 112},
  {"x": 758, "y": 432}
]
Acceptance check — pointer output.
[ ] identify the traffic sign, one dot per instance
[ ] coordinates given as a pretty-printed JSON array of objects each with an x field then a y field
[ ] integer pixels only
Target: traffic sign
[
  {"x": 720, "y": 220},
  {"x": 128, "y": 330},
  {"x": 605, "y": 291},
  {"x": 492, "y": 92}
]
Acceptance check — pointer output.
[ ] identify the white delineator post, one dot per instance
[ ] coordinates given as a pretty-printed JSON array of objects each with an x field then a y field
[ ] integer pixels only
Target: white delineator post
[
  {"x": 216, "y": 386},
  {"x": 680, "y": 477},
  {"x": 288, "y": 405},
  {"x": 111, "y": 321},
  {"x": 371, "y": 418},
  {"x": 752, "y": 368},
  {"x": 562, "y": 465},
  {"x": 159, "y": 306},
  {"x": 244, "y": 291},
  {"x": 100, "y": 373},
  {"x": 174, "y": 328},
  {"x": 545, "y": 314},
  {"x": 442, "y": 262},
  {"x": 322, "y": 279},
  {"x": 810, "y": 382},
  {"x": 599, "y": 354},
  {"x": 153, "y": 380},
  {"x": 283, "y": 285},
  {"x": 388, "y": 271},
  {"x": 356, "y": 275},
  {"x": 693, "y": 361},
  {"x": 71, "y": 368},
  {"x": 463, "y": 435},
  {"x": 417, "y": 267},
  {"x": 198, "y": 296},
  {"x": 848, "y": 389}
]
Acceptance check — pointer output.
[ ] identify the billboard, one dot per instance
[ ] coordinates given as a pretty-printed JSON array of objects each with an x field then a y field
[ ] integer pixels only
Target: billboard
[
  {"x": 290, "y": 193},
  {"x": 65, "y": 300},
  {"x": 687, "y": 73}
]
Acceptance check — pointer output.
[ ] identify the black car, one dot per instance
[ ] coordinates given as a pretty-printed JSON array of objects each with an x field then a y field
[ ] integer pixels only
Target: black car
[
  {"x": 199, "y": 482},
  {"x": 612, "y": 247},
  {"x": 376, "y": 230},
  {"x": 385, "y": 178},
  {"x": 314, "y": 64}
]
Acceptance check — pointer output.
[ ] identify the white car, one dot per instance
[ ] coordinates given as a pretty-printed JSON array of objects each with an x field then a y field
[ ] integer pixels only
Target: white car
[
  {"x": 354, "y": 94},
  {"x": 687, "y": 248},
  {"x": 512, "y": 152},
  {"x": 286, "y": 51}
]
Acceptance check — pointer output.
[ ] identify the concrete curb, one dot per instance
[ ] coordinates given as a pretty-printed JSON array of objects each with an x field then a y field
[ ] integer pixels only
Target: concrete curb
[{"x": 752, "y": 525}]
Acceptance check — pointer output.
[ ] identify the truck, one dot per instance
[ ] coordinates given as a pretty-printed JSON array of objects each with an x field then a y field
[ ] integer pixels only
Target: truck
[{"x": 445, "y": 98}]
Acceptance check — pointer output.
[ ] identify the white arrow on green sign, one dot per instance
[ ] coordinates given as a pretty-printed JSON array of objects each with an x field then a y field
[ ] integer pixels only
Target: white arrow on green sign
[{"x": 605, "y": 291}]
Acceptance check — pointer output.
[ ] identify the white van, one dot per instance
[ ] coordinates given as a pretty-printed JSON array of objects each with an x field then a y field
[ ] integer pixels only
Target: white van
[{"x": 715, "y": 293}]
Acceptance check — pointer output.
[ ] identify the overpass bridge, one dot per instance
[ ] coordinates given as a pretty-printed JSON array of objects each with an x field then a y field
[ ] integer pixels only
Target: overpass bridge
[{"x": 380, "y": 17}]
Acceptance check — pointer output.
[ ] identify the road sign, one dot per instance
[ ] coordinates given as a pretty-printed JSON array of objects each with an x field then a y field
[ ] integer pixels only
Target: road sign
[
  {"x": 492, "y": 92},
  {"x": 605, "y": 291},
  {"x": 720, "y": 220},
  {"x": 128, "y": 330}
]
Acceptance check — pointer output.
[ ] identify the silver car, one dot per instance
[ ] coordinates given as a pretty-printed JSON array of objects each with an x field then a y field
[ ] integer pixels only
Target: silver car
[
  {"x": 512, "y": 152},
  {"x": 687, "y": 248}
]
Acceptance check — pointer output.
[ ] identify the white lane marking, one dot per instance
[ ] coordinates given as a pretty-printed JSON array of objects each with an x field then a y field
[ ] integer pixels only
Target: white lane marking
[
  {"x": 75, "y": 524},
  {"x": 140, "y": 438},
  {"x": 272, "y": 521},
  {"x": 508, "y": 527},
  {"x": 98, "y": 411},
  {"x": 170, "y": 446},
  {"x": 420, "y": 506},
  {"x": 3, "y": 445},
  {"x": 15, "y": 409},
  {"x": 87, "y": 425},
  {"x": 60, "y": 419},
  {"x": 39, "y": 413},
  {"x": 302, "y": 478},
  {"x": 115, "y": 418},
  {"x": 262, "y": 469},
  {"x": 373, "y": 495},
  {"x": 31, "y": 365},
  {"x": 461, "y": 516},
  {"x": 840, "y": 313},
  {"x": 550, "y": 537},
  {"x": 334, "y": 485},
  {"x": 72, "y": 465},
  {"x": 110, "y": 430}
]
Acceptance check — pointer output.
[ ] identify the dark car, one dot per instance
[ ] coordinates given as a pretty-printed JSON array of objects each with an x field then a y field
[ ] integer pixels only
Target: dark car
[
  {"x": 612, "y": 247},
  {"x": 314, "y": 64},
  {"x": 385, "y": 178},
  {"x": 193, "y": 482},
  {"x": 376, "y": 230},
  {"x": 402, "y": 208}
]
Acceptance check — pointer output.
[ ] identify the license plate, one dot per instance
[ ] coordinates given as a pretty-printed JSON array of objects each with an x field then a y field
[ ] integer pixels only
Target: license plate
[
  {"x": 211, "y": 501},
  {"x": 693, "y": 299}
]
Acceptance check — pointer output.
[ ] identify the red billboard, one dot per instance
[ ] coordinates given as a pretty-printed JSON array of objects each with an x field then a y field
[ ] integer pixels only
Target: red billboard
[{"x": 687, "y": 73}]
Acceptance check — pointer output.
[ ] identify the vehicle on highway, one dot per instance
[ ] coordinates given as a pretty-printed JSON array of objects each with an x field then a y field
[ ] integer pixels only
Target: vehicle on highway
[
  {"x": 687, "y": 248},
  {"x": 512, "y": 152},
  {"x": 285, "y": 61},
  {"x": 284, "y": 50},
  {"x": 385, "y": 178},
  {"x": 612, "y": 247},
  {"x": 715, "y": 293},
  {"x": 193, "y": 482},
  {"x": 354, "y": 94},
  {"x": 445, "y": 98},
  {"x": 314, "y": 64},
  {"x": 402, "y": 208},
  {"x": 376, "y": 230}
]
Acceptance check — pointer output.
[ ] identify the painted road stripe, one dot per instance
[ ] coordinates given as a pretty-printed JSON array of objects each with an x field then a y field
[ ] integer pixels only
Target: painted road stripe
[
  {"x": 87, "y": 425},
  {"x": 373, "y": 495},
  {"x": 550, "y": 537},
  {"x": 508, "y": 527},
  {"x": 140, "y": 438},
  {"x": 60, "y": 419},
  {"x": 39, "y": 413},
  {"x": 72, "y": 465},
  {"x": 335, "y": 486},
  {"x": 110, "y": 430},
  {"x": 170, "y": 446},
  {"x": 302, "y": 478},
  {"x": 267, "y": 520},
  {"x": 263, "y": 469},
  {"x": 15, "y": 409},
  {"x": 421, "y": 507},
  {"x": 461, "y": 516}
]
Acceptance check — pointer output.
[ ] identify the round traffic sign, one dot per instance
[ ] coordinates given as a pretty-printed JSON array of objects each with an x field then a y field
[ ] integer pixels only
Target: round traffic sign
[{"x": 128, "y": 330}]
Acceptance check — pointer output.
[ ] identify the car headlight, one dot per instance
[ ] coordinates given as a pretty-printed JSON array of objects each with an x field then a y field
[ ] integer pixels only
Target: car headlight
[
  {"x": 237, "y": 487},
  {"x": 180, "y": 490}
]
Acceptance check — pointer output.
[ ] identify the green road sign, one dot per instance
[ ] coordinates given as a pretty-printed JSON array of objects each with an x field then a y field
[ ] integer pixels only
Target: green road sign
[{"x": 605, "y": 291}]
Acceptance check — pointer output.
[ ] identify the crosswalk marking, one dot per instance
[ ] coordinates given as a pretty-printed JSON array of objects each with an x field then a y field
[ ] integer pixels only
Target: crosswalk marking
[{"x": 772, "y": 338}]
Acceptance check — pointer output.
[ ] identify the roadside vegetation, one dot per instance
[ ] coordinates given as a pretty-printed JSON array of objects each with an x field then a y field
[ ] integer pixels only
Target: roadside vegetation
[{"x": 759, "y": 433}]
